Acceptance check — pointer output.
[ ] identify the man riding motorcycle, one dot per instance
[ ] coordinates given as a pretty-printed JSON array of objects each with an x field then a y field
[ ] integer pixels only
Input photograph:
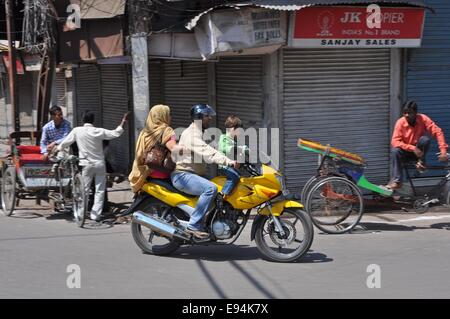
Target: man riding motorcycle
[{"x": 188, "y": 173}]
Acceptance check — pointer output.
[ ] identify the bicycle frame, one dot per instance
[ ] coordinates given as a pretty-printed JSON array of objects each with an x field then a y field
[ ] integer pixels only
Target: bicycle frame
[{"x": 435, "y": 188}]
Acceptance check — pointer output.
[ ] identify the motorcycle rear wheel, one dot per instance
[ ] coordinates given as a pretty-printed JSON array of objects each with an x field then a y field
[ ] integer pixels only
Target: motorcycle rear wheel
[
  {"x": 147, "y": 240},
  {"x": 266, "y": 236}
]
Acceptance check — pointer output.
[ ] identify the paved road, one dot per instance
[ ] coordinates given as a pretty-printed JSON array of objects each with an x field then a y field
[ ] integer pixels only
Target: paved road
[{"x": 35, "y": 250}]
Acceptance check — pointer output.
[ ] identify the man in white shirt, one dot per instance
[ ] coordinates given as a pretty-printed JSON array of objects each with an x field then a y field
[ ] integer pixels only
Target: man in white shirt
[{"x": 90, "y": 145}]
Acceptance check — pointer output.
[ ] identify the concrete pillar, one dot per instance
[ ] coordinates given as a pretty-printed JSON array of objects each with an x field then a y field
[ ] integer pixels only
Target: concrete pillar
[
  {"x": 272, "y": 105},
  {"x": 141, "y": 91}
]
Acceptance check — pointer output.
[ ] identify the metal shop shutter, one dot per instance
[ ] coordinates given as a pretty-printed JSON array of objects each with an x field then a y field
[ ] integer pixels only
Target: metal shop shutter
[
  {"x": 26, "y": 84},
  {"x": 88, "y": 95},
  {"x": 239, "y": 83},
  {"x": 61, "y": 90},
  {"x": 338, "y": 97},
  {"x": 114, "y": 88},
  {"x": 155, "y": 81},
  {"x": 185, "y": 84},
  {"x": 6, "y": 121},
  {"x": 428, "y": 74}
]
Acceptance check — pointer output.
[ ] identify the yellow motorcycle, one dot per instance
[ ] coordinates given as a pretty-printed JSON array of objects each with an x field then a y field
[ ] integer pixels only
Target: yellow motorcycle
[{"x": 282, "y": 230}]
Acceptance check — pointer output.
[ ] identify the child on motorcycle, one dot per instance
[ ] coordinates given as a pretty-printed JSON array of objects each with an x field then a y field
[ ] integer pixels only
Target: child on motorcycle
[{"x": 228, "y": 146}]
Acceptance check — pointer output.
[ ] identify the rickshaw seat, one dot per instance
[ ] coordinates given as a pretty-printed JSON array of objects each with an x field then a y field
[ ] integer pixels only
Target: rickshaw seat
[
  {"x": 31, "y": 159},
  {"x": 28, "y": 149},
  {"x": 30, "y": 154}
]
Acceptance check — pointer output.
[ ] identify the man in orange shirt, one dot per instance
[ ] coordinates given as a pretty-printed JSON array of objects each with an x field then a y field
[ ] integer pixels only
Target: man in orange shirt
[{"x": 410, "y": 142}]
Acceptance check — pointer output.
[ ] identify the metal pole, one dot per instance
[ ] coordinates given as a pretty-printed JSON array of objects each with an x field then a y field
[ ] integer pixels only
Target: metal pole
[
  {"x": 12, "y": 64},
  {"x": 45, "y": 87}
]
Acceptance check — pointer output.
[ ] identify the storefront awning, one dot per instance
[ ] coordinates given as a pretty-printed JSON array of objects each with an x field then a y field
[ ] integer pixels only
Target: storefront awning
[{"x": 292, "y": 5}]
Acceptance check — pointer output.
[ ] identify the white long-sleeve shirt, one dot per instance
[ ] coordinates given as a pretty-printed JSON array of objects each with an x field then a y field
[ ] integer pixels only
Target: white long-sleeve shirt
[{"x": 90, "y": 142}]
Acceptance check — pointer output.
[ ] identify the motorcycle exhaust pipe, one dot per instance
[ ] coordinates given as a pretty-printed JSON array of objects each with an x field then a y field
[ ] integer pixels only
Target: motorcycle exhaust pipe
[{"x": 159, "y": 226}]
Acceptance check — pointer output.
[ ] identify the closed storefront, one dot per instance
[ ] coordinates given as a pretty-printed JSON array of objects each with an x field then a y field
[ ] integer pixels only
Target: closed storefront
[
  {"x": 6, "y": 116},
  {"x": 63, "y": 95},
  {"x": 239, "y": 90},
  {"x": 338, "y": 97},
  {"x": 155, "y": 81},
  {"x": 88, "y": 94},
  {"x": 184, "y": 84},
  {"x": 428, "y": 73},
  {"x": 104, "y": 90},
  {"x": 115, "y": 103},
  {"x": 26, "y": 84}
]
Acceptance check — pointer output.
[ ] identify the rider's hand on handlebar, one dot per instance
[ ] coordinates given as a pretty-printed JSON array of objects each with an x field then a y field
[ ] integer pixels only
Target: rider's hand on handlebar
[
  {"x": 235, "y": 164},
  {"x": 443, "y": 157},
  {"x": 51, "y": 146}
]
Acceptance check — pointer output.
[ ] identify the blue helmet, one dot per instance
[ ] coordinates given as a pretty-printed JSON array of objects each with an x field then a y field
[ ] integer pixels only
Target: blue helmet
[{"x": 198, "y": 111}]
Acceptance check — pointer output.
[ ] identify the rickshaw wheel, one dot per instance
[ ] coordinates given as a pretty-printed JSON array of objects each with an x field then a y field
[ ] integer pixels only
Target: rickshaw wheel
[
  {"x": 8, "y": 191},
  {"x": 79, "y": 200},
  {"x": 335, "y": 205}
]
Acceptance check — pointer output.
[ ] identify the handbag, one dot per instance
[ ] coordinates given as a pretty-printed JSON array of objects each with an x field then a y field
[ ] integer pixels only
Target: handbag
[{"x": 159, "y": 158}]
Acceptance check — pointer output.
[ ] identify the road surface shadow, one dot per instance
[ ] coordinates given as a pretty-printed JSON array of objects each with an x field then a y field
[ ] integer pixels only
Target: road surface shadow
[
  {"x": 445, "y": 226},
  {"x": 374, "y": 227},
  {"x": 237, "y": 252},
  {"x": 26, "y": 215}
]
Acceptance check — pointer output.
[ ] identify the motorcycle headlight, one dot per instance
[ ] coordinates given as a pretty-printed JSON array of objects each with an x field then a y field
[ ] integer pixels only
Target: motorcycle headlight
[
  {"x": 284, "y": 190},
  {"x": 280, "y": 180}
]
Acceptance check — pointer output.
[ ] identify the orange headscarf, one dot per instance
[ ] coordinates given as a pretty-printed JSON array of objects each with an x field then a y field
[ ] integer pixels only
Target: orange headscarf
[{"x": 157, "y": 124}]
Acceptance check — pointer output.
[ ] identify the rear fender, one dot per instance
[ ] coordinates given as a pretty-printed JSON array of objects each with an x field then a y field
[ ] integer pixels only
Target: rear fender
[{"x": 141, "y": 198}]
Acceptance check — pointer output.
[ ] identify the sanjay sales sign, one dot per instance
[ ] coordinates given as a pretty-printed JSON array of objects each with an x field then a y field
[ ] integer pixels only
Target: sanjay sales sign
[{"x": 349, "y": 26}]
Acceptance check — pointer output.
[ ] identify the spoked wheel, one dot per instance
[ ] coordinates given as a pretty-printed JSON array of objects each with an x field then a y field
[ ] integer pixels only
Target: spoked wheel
[
  {"x": 8, "y": 191},
  {"x": 335, "y": 205},
  {"x": 309, "y": 184},
  {"x": 297, "y": 239},
  {"x": 149, "y": 241},
  {"x": 79, "y": 204}
]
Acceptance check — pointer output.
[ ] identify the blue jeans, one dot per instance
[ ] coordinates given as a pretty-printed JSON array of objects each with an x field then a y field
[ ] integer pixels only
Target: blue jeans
[
  {"x": 193, "y": 184},
  {"x": 232, "y": 179},
  {"x": 400, "y": 156}
]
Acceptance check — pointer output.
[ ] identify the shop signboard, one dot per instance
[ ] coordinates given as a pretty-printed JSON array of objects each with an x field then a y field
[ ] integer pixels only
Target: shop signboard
[
  {"x": 355, "y": 27},
  {"x": 243, "y": 31}
]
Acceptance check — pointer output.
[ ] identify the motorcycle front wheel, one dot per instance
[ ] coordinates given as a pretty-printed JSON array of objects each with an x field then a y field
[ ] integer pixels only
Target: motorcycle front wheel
[
  {"x": 295, "y": 243},
  {"x": 147, "y": 240}
]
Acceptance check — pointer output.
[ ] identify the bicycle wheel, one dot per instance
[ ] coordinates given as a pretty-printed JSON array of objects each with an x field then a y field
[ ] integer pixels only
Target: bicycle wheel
[
  {"x": 309, "y": 184},
  {"x": 8, "y": 191},
  {"x": 335, "y": 205},
  {"x": 79, "y": 206}
]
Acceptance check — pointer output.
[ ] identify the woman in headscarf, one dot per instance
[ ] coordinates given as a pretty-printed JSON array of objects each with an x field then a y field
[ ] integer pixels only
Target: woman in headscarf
[{"x": 157, "y": 125}]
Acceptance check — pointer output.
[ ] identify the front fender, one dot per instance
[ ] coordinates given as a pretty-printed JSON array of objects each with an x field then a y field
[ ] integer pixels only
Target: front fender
[{"x": 277, "y": 209}]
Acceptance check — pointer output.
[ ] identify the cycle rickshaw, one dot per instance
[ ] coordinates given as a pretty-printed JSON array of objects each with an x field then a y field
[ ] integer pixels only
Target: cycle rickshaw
[
  {"x": 25, "y": 176},
  {"x": 333, "y": 196}
]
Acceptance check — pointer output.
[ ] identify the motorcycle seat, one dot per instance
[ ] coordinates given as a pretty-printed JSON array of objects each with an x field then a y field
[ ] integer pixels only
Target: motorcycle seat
[{"x": 167, "y": 184}]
